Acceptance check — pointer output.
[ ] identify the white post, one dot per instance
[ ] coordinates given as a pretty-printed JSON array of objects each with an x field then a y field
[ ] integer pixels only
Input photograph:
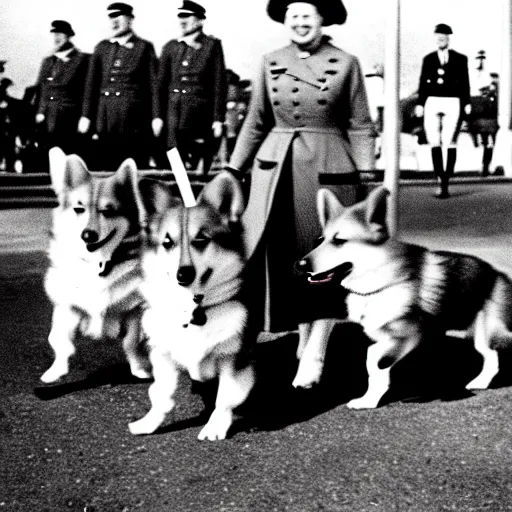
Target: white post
[
  {"x": 502, "y": 155},
  {"x": 392, "y": 114}
]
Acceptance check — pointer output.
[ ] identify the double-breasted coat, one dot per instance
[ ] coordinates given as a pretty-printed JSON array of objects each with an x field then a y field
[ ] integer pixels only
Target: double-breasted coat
[
  {"x": 192, "y": 86},
  {"x": 120, "y": 90},
  {"x": 304, "y": 111},
  {"x": 61, "y": 88}
]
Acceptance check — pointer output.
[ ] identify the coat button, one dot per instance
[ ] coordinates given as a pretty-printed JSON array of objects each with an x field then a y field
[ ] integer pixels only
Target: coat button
[
  {"x": 295, "y": 89},
  {"x": 185, "y": 63},
  {"x": 333, "y": 60},
  {"x": 322, "y": 101},
  {"x": 331, "y": 72},
  {"x": 322, "y": 80},
  {"x": 296, "y": 103},
  {"x": 112, "y": 79},
  {"x": 297, "y": 116},
  {"x": 274, "y": 89},
  {"x": 107, "y": 93},
  {"x": 118, "y": 93},
  {"x": 276, "y": 103}
]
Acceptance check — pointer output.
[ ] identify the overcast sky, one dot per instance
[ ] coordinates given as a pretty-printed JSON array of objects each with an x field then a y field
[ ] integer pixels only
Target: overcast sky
[{"x": 247, "y": 32}]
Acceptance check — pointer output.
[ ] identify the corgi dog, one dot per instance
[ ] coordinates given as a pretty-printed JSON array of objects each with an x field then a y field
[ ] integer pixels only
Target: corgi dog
[
  {"x": 196, "y": 319},
  {"x": 95, "y": 270},
  {"x": 402, "y": 294}
]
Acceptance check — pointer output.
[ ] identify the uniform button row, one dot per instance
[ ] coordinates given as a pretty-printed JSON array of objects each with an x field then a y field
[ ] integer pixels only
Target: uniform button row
[
  {"x": 177, "y": 90},
  {"x": 107, "y": 93}
]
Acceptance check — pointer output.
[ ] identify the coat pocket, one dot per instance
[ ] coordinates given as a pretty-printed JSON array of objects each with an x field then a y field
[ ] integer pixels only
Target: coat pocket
[{"x": 266, "y": 165}]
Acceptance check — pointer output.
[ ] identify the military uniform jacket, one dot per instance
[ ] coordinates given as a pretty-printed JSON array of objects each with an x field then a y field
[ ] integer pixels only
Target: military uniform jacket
[
  {"x": 120, "y": 90},
  {"x": 448, "y": 80},
  {"x": 306, "y": 108},
  {"x": 192, "y": 87},
  {"x": 61, "y": 88}
]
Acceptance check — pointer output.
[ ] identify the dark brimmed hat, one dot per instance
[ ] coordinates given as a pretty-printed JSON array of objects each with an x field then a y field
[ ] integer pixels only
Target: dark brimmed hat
[
  {"x": 119, "y": 9},
  {"x": 333, "y": 12},
  {"x": 193, "y": 8},
  {"x": 62, "y": 27},
  {"x": 442, "y": 28}
]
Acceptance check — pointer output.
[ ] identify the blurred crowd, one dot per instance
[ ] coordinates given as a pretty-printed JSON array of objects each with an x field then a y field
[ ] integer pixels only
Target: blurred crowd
[{"x": 122, "y": 101}]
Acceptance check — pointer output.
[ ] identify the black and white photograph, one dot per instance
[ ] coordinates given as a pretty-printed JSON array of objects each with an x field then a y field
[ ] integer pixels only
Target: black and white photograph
[{"x": 255, "y": 256}]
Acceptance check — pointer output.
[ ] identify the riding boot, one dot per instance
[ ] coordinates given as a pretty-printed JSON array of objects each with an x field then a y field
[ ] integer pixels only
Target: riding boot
[
  {"x": 486, "y": 160},
  {"x": 451, "y": 158},
  {"x": 442, "y": 192},
  {"x": 437, "y": 161}
]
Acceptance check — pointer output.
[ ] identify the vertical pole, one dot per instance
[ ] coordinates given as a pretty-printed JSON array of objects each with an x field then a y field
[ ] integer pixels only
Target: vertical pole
[
  {"x": 392, "y": 114},
  {"x": 502, "y": 155}
]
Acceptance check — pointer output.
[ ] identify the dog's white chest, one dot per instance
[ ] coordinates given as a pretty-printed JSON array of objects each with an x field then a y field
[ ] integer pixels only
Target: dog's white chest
[
  {"x": 375, "y": 310},
  {"x": 100, "y": 298},
  {"x": 192, "y": 347}
]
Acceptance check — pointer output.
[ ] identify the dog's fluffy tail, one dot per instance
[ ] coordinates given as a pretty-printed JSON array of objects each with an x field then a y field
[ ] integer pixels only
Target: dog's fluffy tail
[{"x": 498, "y": 313}]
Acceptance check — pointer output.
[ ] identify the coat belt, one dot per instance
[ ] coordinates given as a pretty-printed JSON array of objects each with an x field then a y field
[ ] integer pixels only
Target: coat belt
[{"x": 308, "y": 129}]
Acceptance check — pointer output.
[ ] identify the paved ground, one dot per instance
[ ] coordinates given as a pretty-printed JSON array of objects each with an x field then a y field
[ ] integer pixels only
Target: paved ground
[{"x": 432, "y": 448}]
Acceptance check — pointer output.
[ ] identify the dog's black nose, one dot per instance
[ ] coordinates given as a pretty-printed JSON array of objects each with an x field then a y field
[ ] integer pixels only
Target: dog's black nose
[
  {"x": 186, "y": 275},
  {"x": 303, "y": 266},
  {"x": 89, "y": 236}
]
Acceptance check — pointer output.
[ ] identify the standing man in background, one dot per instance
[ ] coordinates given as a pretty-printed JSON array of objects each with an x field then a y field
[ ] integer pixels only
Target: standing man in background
[
  {"x": 443, "y": 97},
  {"x": 61, "y": 86},
  {"x": 193, "y": 89},
  {"x": 13, "y": 126},
  {"x": 120, "y": 97}
]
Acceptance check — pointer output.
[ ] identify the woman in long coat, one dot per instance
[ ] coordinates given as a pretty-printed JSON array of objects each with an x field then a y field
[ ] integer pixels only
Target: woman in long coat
[{"x": 308, "y": 102}]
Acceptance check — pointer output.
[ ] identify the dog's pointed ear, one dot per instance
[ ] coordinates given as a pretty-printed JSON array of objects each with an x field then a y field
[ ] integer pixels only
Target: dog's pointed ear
[
  {"x": 376, "y": 211},
  {"x": 66, "y": 172},
  {"x": 127, "y": 172},
  {"x": 156, "y": 196},
  {"x": 127, "y": 176},
  {"x": 224, "y": 193},
  {"x": 328, "y": 206}
]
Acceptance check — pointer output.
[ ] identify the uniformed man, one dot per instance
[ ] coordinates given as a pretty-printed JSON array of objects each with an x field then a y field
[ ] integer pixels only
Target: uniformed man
[
  {"x": 120, "y": 97},
  {"x": 13, "y": 125},
  {"x": 193, "y": 89},
  {"x": 61, "y": 86},
  {"x": 444, "y": 96}
]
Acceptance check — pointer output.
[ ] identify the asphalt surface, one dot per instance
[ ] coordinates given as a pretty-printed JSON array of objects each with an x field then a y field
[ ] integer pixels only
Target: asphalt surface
[{"x": 431, "y": 446}]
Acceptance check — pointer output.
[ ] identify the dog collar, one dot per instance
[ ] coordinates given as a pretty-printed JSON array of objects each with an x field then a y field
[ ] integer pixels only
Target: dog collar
[{"x": 378, "y": 290}]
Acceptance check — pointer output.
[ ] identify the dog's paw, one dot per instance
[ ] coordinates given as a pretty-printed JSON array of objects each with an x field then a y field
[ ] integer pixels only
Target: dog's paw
[
  {"x": 146, "y": 425},
  {"x": 308, "y": 375},
  {"x": 363, "y": 403},
  {"x": 140, "y": 372},
  {"x": 217, "y": 427},
  {"x": 479, "y": 383},
  {"x": 54, "y": 373}
]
